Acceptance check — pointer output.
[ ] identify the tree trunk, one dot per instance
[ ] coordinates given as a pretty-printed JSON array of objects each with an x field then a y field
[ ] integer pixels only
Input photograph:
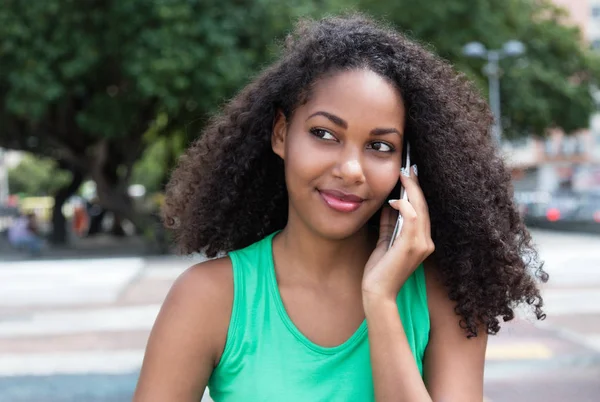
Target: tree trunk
[
  {"x": 112, "y": 190},
  {"x": 96, "y": 222},
  {"x": 116, "y": 200},
  {"x": 117, "y": 226},
  {"x": 59, "y": 223}
]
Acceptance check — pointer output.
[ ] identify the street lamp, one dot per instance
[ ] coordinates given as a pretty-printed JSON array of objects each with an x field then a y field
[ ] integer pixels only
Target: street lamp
[
  {"x": 512, "y": 48},
  {"x": 3, "y": 178}
]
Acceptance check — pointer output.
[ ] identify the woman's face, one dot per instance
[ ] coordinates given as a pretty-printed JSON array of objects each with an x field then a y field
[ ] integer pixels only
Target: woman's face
[{"x": 342, "y": 152}]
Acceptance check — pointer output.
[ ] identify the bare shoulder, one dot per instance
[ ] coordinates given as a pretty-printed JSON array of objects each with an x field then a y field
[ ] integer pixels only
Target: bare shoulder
[
  {"x": 203, "y": 295},
  {"x": 453, "y": 363},
  {"x": 442, "y": 310},
  {"x": 437, "y": 294},
  {"x": 208, "y": 282},
  {"x": 189, "y": 334}
]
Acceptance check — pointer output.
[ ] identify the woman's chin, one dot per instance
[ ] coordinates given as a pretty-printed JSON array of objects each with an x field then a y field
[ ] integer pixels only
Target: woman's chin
[{"x": 339, "y": 230}]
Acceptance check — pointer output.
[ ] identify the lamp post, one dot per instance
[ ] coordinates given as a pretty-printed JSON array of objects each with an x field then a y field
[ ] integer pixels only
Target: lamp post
[
  {"x": 492, "y": 70},
  {"x": 3, "y": 178}
]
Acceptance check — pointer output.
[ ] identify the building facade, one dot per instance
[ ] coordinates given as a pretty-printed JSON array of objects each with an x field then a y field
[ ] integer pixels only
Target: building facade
[{"x": 563, "y": 162}]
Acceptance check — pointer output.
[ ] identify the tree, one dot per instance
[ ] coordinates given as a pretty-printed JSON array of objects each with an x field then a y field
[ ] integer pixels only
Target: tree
[
  {"x": 83, "y": 81},
  {"x": 36, "y": 177},
  {"x": 152, "y": 169},
  {"x": 548, "y": 87}
]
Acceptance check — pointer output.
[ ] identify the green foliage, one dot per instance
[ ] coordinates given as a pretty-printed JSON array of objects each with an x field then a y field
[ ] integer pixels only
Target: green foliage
[
  {"x": 151, "y": 169},
  {"x": 547, "y": 87},
  {"x": 75, "y": 73},
  {"x": 36, "y": 177}
]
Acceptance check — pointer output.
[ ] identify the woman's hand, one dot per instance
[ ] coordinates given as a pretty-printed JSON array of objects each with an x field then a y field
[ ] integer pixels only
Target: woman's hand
[{"x": 387, "y": 270}]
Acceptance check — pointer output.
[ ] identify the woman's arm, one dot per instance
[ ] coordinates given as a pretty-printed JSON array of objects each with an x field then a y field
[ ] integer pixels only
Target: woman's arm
[
  {"x": 188, "y": 336},
  {"x": 396, "y": 376},
  {"x": 453, "y": 363}
]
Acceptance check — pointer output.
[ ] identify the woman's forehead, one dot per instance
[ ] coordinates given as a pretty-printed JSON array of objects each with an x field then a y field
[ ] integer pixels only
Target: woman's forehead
[{"x": 356, "y": 94}]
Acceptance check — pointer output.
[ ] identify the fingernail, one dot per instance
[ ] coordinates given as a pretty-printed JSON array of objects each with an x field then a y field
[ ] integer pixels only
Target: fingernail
[
  {"x": 392, "y": 201},
  {"x": 414, "y": 168},
  {"x": 405, "y": 172}
]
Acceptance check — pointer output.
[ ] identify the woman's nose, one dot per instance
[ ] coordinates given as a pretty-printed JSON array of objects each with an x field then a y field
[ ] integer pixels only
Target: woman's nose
[{"x": 351, "y": 170}]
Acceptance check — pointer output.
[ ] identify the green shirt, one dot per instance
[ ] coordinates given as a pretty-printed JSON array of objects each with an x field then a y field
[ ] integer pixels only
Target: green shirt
[{"x": 266, "y": 358}]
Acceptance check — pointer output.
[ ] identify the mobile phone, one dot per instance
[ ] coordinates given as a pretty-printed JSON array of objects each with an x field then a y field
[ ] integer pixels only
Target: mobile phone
[{"x": 403, "y": 195}]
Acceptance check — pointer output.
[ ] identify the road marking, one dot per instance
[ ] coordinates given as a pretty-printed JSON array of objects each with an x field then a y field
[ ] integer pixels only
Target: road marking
[
  {"x": 586, "y": 340},
  {"x": 518, "y": 351},
  {"x": 594, "y": 341},
  {"x": 66, "y": 282},
  {"x": 113, "y": 362},
  {"x": 568, "y": 301},
  {"x": 121, "y": 318}
]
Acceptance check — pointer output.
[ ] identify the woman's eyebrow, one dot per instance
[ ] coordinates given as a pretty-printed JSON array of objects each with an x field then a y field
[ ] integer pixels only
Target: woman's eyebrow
[
  {"x": 383, "y": 131},
  {"x": 334, "y": 119},
  {"x": 342, "y": 123}
]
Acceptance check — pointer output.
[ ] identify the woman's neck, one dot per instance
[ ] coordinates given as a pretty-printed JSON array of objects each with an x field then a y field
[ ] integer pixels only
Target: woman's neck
[{"x": 303, "y": 255}]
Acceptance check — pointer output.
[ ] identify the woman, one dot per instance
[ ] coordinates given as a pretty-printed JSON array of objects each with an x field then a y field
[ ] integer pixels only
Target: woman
[{"x": 289, "y": 185}]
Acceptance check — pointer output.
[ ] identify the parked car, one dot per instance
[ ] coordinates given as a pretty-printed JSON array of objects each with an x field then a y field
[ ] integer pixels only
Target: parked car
[
  {"x": 573, "y": 211},
  {"x": 589, "y": 208}
]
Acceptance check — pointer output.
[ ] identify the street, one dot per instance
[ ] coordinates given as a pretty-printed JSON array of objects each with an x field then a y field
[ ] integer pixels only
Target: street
[{"x": 75, "y": 330}]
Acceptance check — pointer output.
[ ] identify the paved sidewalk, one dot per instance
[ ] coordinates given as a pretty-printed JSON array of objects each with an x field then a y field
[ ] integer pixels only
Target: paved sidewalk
[
  {"x": 99, "y": 246},
  {"x": 77, "y": 328}
]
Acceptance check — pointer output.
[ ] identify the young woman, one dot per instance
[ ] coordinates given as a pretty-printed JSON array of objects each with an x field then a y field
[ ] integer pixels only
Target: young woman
[{"x": 290, "y": 187}]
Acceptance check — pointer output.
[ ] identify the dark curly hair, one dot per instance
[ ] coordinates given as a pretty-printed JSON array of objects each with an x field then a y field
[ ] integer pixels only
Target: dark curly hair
[{"x": 229, "y": 188}]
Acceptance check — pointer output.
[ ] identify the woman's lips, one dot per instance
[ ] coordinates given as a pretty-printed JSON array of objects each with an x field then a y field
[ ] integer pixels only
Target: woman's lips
[{"x": 341, "y": 202}]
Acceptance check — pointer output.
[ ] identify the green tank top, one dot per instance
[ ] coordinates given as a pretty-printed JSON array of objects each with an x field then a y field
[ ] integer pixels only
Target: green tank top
[{"x": 266, "y": 358}]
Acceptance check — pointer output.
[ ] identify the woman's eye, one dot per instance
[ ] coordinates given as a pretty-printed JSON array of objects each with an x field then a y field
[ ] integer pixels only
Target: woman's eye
[
  {"x": 381, "y": 147},
  {"x": 322, "y": 134}
]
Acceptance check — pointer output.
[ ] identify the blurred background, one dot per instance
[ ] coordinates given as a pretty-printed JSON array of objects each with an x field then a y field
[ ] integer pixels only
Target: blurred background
[{"x": 98, "y": 98}]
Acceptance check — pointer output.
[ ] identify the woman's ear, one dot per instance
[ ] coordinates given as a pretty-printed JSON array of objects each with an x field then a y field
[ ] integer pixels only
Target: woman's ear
[{"x": 279, "y": 134}]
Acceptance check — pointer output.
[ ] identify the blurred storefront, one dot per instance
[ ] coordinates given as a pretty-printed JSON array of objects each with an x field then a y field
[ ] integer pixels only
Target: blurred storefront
[
  {"x": 558, "y": 162},
  {"x": 557, "y": 179},
  {"x": 562, "y": 163}
]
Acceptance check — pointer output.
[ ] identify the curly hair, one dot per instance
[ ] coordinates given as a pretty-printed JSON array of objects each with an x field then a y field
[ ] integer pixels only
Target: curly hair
[{"x": 229, "y": 190}]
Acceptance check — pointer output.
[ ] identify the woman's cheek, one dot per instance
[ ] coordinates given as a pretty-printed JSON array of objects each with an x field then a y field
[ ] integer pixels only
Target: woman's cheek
[
  {"x": 311, "y": 154},
  {"x": 382, "y": 178}
]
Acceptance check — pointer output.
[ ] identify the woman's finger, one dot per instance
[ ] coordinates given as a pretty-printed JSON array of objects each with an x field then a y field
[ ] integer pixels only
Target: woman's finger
[
  {"x": 414, "y": 192},
  {"x": 409, "y": 218},
  {"x": 417, "y": 199},
  {"x": 387, "y": 223}
]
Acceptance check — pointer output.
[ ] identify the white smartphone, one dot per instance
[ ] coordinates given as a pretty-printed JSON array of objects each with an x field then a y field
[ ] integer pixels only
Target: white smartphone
[{"x": 403, "y": 195}]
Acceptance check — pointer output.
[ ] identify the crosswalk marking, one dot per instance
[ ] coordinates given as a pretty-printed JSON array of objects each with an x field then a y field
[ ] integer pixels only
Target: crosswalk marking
[
  {"x": 121, "y": 318},
  {"x": 518, "y": 351},
  {"x": 65, "y": 282},
  {"x": 594, "y": 341},
  {"x": 114, "y": 362},
  {"x": 73, "y": 316},
  {"x": 568, "y": 301}
]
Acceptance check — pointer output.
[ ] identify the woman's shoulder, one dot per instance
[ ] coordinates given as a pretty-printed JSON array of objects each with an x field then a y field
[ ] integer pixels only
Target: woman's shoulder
[
  {"x": 437, "y": 293},
  {"x": 209, "y": 283},
  {"x": 210, "y": 272},
  {"x": 189, "y": 334},
  {"x": 203, "y": 296},
  {"x": 442, "y": 310}
]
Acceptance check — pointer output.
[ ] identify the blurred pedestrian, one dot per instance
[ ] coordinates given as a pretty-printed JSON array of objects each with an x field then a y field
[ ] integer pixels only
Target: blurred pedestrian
[
  {"x": 24, "y": 234},
  {"x": 296, "y": 186},
  {"x": 80, "y": 218}
]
